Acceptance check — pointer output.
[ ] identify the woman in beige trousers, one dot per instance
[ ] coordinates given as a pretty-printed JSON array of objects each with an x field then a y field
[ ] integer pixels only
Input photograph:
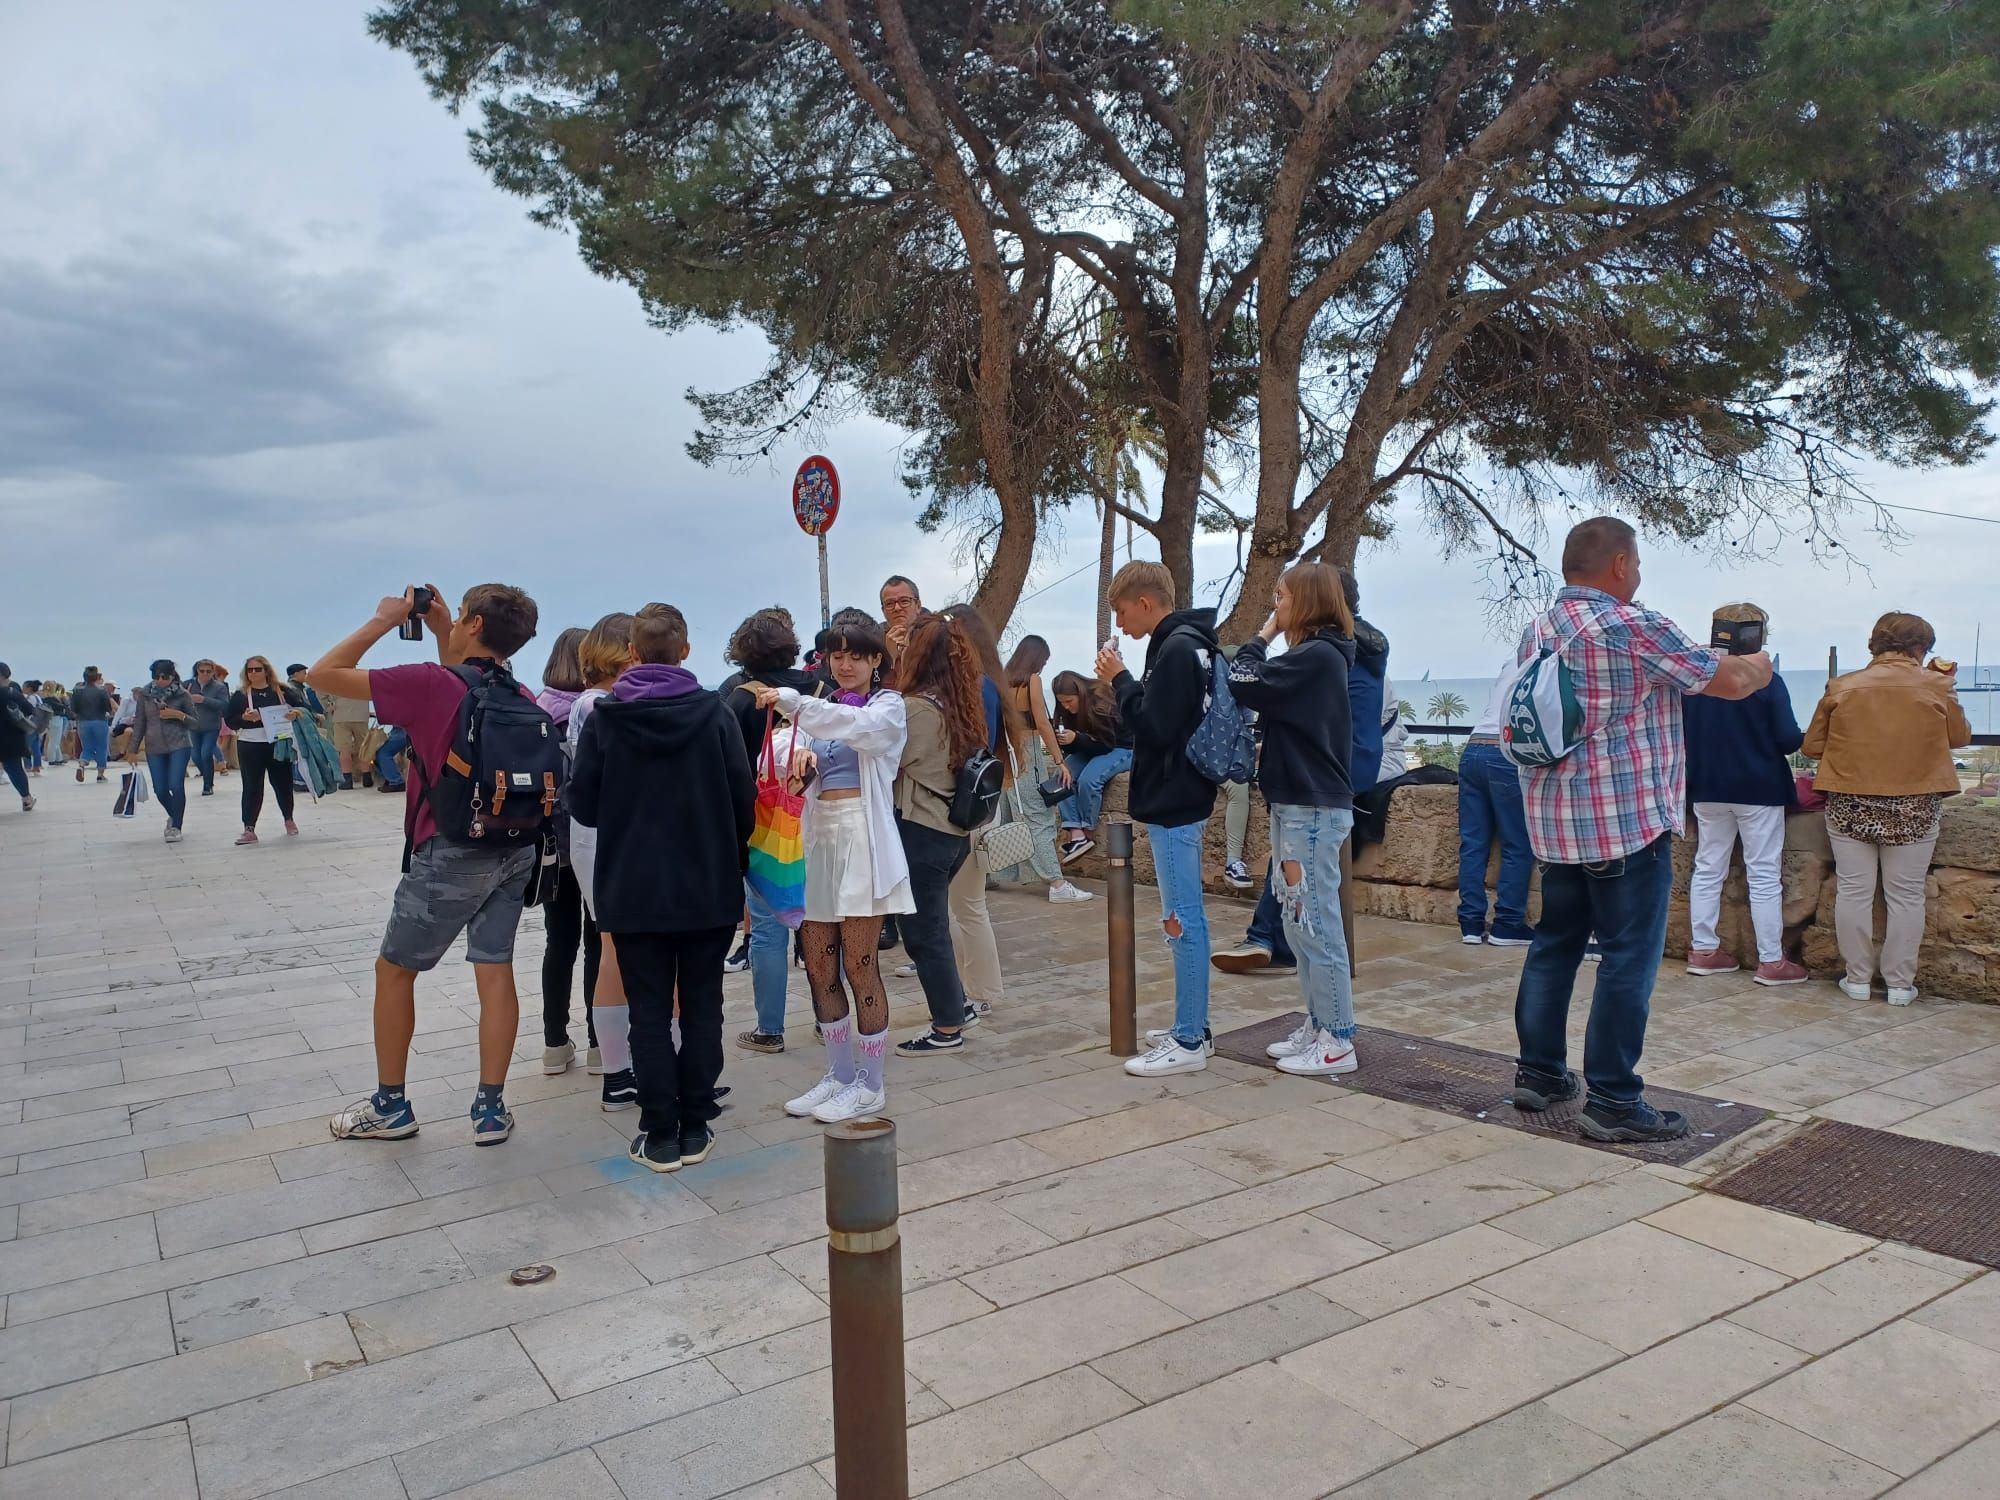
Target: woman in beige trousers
[
  {"x": 972, "y": 942},
  {"x": 1883, "y": 737}
]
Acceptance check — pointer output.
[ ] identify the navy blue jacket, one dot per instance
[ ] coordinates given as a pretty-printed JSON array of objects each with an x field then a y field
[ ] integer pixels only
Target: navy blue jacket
[
  {"x": 1736, "y": 750},
  {"x": 1364, "y": 698}
]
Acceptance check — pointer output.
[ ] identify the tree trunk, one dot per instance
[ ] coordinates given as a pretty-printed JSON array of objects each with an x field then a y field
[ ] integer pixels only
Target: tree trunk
[
  {"x": 1107, "y": 556},
  {"x": 1180, "y": 497}
]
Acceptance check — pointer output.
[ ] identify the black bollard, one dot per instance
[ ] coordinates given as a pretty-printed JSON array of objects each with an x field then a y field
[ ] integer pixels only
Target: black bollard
[
  {"x": 864, "y": 1258},
  {"x": 1118, "y": 918}
]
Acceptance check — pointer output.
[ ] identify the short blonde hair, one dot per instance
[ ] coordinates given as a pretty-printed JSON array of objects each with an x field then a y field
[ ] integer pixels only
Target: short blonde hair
[
  {"x": 1142, "y": 578},
  {"x": 606, "y": 649},
  {"x": 1745, "y": 613}
]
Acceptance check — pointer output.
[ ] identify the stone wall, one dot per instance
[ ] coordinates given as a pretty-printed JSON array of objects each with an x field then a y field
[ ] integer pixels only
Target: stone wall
[{"x": 1413, "y": 877}]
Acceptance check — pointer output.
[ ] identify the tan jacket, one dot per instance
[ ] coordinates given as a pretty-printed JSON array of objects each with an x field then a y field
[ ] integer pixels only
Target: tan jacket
[
  {"x": 1887, "y": 730},
  {"x": 926, "y": 781}
]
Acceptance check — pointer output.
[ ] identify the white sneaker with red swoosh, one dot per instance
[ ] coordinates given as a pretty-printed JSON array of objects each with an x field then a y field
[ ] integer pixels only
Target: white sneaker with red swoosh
[{"x": 1326, "y": 1055}]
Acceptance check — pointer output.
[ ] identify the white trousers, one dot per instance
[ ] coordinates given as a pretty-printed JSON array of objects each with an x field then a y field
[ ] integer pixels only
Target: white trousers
[{"x": 1762, "y": 830}]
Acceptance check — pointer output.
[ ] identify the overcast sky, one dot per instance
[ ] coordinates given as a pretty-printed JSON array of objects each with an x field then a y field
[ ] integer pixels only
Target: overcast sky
[{"x": 271, "y": 346}]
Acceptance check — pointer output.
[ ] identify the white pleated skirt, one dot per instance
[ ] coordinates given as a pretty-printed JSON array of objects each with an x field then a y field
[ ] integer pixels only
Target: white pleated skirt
[{"x": 840, "y": 867}]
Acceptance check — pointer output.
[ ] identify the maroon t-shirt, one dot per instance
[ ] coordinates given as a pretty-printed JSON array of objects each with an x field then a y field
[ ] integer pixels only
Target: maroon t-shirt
[{"x": 422, "y": 699}]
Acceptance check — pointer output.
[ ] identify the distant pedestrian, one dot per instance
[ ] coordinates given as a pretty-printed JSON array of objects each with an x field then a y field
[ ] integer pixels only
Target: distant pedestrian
[
  {"x": 255, "y": 712},
  {"x": 1883, "y": 737},
  {"x": 211, "y": 705},
  {"x": 163, "y": 731},
  {"x": 16, "y": 724},
  {"x": 1740, "y": 783},
  {"x": 1601, "y": 819},
  {"x": 570, "y": 929},
  {"x": 1042, "y": 762},
  {"x": 1490, "y": 809},
  {"x": 91, "y": 706}
]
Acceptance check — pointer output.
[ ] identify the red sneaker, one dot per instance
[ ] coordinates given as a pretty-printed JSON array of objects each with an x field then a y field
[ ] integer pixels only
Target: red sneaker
[
  {"x": 1711, "y": 961},
  {"x": 1784, "y": 971}
]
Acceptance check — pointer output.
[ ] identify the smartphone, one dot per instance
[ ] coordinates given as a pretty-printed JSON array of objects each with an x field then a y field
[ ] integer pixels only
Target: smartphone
[
  {"x": 1737, "y": 637},
  {"x": 412, "y": 629},
  {"x": 1111, "y": 645}
]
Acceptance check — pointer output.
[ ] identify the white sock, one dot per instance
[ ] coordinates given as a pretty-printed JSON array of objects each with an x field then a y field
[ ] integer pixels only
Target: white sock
[
  {"x": 674, "y": 1028},
  {"x": 614, "y": 1036},
  {"x": 839, "y": 1047},
  {"x": 868, "y": 1061}
]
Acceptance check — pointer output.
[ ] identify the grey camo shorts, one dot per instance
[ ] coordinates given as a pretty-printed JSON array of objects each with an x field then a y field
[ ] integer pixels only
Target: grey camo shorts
[{"x": 453, "y": 888}]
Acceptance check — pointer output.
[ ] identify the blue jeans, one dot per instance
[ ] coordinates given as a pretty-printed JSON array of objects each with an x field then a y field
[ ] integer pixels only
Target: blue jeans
[
  {"x": 1267, "y": 926},
  {"x": 1311, "y": 837},
  {"x": 1489, "y": 803},
  {"x": 206, "y": 745},
  {"x": 1177, "y": 868},
  {"x": 770, "y": 946},
  {"x": 16, "y": 769},
  {"x": 34, "y": 756},
  {"x": 170, "y": 769},
  {"x": 1091, "y": 774},
  {"x": 95, "y": 738},
  {"x": 1624, "y": 901},
  {"x": 385, "y": 758}
]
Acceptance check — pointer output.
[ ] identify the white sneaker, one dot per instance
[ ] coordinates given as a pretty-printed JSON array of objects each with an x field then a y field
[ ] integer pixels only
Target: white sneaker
[
  {"x": 1161, "y": 1034},
  {"x": 1065, "y": 892},
  {"x": 853, "y": 1102},
  {"x": 1168, "y": 1057},
  {"x": 906, "y": 971},
  {"x": 173, "y": 834},
  {"x": 1900, "y": 996},
  {"x": 1328, "y": 1055},
  {"x": 1855, "y": 991},
  {"x": 814, "y": 1097},
  {"x": 557, "y": 1059},
  {"x": 1301, "y": 1040}
]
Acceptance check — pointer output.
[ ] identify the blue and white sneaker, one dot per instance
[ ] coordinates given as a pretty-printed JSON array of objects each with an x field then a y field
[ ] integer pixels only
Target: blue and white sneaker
[
  {"x": 368, "y": 1120},
  {"x": 492, "y": 1122}
]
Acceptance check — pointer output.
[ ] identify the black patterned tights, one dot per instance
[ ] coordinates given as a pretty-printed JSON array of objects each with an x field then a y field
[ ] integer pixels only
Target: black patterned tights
[{"x": 832, "y": 946}]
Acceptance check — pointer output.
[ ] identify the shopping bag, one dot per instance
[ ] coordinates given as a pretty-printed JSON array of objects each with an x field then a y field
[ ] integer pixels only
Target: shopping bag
[
  {"x": 777, "y": 849},
  {"x": 126, "y": 803}
]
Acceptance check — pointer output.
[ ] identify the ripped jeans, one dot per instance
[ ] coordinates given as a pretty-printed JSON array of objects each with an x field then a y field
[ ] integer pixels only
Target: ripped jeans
[
  {"x": 1310, "y": 839},
  {"x": 1177, "y": 867}
]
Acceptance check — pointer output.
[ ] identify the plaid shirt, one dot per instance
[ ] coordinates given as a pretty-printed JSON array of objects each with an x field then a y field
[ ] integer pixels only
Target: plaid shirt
[{"x": 1626, "y": 783}]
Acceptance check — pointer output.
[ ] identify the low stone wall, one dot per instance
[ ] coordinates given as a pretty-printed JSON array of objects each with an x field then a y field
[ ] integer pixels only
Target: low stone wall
[{"x": 1413, "y": 877}]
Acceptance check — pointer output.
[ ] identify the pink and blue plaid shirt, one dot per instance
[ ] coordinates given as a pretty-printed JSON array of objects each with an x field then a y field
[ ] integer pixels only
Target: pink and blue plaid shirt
[{"x": 1626, "y": 783}]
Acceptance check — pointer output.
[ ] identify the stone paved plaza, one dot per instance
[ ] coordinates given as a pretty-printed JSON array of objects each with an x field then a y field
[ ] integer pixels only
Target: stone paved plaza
[{"x": 1223, "y": 1284}]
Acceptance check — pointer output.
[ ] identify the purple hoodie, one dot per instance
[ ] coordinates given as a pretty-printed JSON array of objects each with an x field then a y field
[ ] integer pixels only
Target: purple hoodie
[
  {"x": 556, "y": 702},
  {"x": 654, "y": 680}
]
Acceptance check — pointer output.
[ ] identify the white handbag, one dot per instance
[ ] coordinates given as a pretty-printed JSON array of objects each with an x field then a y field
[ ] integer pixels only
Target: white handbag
[{"x": 1002, "y": 846}]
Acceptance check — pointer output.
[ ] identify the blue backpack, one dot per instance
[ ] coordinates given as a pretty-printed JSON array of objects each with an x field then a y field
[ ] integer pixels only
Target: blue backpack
[{"x": 1223, "y": 747}]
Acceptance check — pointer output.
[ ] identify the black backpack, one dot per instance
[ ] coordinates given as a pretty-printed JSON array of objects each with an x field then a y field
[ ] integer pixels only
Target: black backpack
[
  {"x": 502, "y": 780},
  {"x": 977, "y": 791}
]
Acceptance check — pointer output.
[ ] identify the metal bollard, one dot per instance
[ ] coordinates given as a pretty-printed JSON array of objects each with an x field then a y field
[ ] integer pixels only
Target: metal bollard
[
  {"x": 864, "y": 1258},
  {"x": 1347, "y": 904},
  {"x": 1118, "y": 919}
]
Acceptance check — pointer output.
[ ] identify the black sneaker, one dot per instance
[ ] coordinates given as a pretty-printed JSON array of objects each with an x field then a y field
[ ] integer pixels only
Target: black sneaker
[
  {"x": 1075, "y": 849},
  {"x": 695, "y": 1145},
  {"x": 890, "y": 938},
  {"x": 738, "y": 961},
  {"x": 656, "y": 1151},
  {"x": 932, "y": 1041},
  {"x": 761, "y": 1041},
  {"x": 1533, "y": 1092},
  {"x": 1640, "y": 1123},
  {"x": 621, "y": 1091}
]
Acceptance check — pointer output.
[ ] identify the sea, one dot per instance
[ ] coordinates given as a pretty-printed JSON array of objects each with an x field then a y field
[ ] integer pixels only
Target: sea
[{"x": 1981, "y": 699}]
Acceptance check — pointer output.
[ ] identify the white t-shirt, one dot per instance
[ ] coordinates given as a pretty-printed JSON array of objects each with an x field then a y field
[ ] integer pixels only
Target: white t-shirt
[{"x": 1496, "y": 701}]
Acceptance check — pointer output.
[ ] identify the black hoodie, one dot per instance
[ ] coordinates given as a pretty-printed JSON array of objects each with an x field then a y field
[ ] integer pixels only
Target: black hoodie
[
  {"x": 1163, "y": 709},
  {"x": 749, "y": 717},
  {"x": 1302, "y": 707},
  {"x": 667, "y": 785}
]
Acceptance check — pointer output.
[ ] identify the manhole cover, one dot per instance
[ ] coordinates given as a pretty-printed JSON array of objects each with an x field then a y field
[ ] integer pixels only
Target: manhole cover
[
  {"x": 1894, "y": 1187},
  {"x": 1474, "y": 1085}
]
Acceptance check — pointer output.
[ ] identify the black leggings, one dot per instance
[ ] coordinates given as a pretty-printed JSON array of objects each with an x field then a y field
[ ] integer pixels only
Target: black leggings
[
  {"x": 830, "y": 946},
  {"x": 258, "y": 767},
  {"x": 570, "y": 928},
  {"x": 933, "y": 858}
]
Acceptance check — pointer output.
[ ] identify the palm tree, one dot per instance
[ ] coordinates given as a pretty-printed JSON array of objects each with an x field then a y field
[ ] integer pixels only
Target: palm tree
[
  {"x": 1405, "y": 709},
  {"x": 1447, "y": 706}
]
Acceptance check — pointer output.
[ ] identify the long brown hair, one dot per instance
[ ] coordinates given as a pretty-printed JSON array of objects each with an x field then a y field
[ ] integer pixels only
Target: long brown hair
[
  {"x": 1096, "y": 716},
  {"x": 1318, "y": 600},
  {"x": 986, "y": 647},
  {"x": 939, "y": 662},
  {"x": 1029, "y": 658}
]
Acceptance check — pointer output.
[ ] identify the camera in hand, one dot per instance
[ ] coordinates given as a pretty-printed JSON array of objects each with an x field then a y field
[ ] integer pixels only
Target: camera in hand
[
  {"x": 1737, "y": 637},
  {"x": 412, "y": 629}
]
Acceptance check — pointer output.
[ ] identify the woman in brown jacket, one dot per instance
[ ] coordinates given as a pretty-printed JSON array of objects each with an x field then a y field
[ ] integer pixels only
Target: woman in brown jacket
[{"x": 1883, "y": 737}]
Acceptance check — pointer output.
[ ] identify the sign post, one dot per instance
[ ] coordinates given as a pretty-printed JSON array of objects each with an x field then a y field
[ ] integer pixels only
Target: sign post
[{"x": 815, "y": 506}]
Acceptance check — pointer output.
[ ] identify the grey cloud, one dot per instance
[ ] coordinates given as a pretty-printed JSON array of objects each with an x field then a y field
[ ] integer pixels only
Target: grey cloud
[{"x": 114, "y": 361}]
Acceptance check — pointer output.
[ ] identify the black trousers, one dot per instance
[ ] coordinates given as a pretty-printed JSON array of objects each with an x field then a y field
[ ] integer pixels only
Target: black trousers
[
  {"x": 933, "y": 858},
  {"x": 570, "y": 928},
  {"x": 676, "y": 1087},
  {"x": 258, "y": 767}
]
